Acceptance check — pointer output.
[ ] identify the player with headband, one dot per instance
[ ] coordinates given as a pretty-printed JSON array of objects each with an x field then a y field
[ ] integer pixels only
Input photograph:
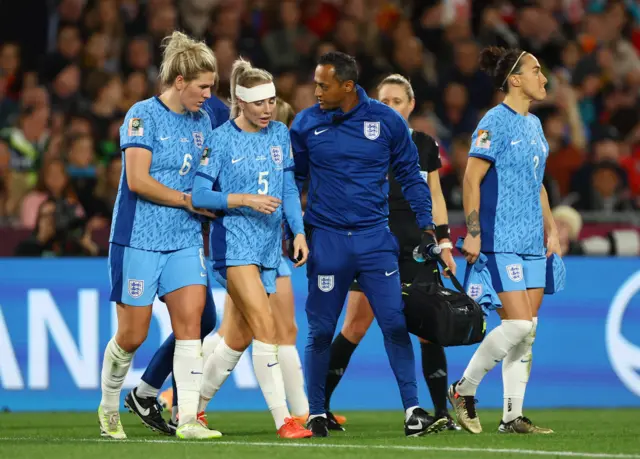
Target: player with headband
[
  {"x": 247, "y": 175},
  {"x": 507, "y": 213}
]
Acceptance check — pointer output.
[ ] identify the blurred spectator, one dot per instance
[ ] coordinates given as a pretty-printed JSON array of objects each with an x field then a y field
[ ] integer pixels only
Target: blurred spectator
[
  {"x": 27, "y": 142},
  {"x": 81, "y": 169},
  {"x": 5, "y": 181},
  {"x": 455, "y": 114},
  {"x": 289, "y": 42},
  {"x": 67, "y": 104},
  {"x": 57, "y": 233},
  {"x": 53, "y": 183},
  {"x": 601, "y": 184},
  {"x": 452, "y": 181},
  {"x": 569, "y": 224},
  {"x": 10, "y": 69},
  {"x": 107, "y": 189}
]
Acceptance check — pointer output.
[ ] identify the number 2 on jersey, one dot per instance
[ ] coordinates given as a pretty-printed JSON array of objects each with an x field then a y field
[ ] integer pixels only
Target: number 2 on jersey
[
  {"x": 536, "y": 163},
  {"x": 263, "y": 182}
]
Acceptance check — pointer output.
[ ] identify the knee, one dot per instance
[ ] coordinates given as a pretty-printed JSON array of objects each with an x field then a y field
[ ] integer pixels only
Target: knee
[
  {"x": 517, "y": 330},
  {"x": 130, "y": 340},
  {"x": 188, "y": 329},
  {"x": 289, "y": 333},
  {"x": 354, "y": 330},
  {"x": 319, "y": 340}
]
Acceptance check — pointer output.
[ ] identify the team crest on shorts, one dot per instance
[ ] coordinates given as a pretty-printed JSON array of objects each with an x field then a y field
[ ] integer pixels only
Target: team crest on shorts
[
  {"x": 198, "y": 139},
  {"x": 372, "y": 129},
  {"x": 136, "y": 288},
  {"x": 515, "y": 272},
  {"x": 475, "y": 291},
  {"x": 276, "y": 154},
  {"x": 325, "y": 283}
]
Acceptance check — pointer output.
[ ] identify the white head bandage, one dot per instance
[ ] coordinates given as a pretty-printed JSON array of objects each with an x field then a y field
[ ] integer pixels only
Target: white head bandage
[
  {"x": 512, "y": 68},
  {"x": 260, "y": 92}
]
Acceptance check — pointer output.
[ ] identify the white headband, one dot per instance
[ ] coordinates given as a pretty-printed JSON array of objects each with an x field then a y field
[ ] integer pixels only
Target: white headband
[
  {"x": 512, "y": 68},
  {"x": 260, "y": 92}
]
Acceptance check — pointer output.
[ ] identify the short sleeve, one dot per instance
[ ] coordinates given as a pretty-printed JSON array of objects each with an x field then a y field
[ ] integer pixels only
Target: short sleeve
[
  {"x": 486, "y": 140},
  {"x": 138, "y": 129},
  {"x": 429, "y": 152},
  {"x": 287, "y": 150}
]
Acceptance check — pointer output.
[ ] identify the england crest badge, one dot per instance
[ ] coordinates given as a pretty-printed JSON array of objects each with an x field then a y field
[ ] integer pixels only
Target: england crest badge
[
  {"x": 276, "y": 154},
  {"x": 325, "y": 283},
  {"x": 372, "y": 129},
  {"x": 136, "y": 288},
  {"x": 198, "y": 139}
]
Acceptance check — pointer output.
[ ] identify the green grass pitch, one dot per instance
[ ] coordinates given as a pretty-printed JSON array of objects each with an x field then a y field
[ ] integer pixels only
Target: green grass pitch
[{"x": 370, "y": 435}]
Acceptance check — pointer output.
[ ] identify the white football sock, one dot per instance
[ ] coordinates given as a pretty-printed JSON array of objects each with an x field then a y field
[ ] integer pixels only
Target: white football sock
[
  {"x": 217, "y": 369},
  {"x": 144, "y": 390},
  {"x": 209, "y": 345},
  {"x": 269, "y": 375},
  {"x": 114, "y": 369},
  {"x": 187, "y": 370},
  {"x": 515, "y": 375},
  {"x": 490, "y": 352},
  {"x": 291, "y": 368}
]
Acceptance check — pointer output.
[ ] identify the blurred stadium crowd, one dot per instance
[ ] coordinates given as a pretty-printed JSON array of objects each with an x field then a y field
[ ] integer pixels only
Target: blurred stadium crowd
[{"x": 67, "y": 80}]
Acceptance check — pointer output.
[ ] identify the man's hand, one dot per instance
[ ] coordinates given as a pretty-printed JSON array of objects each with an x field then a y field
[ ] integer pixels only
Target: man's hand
[{"x": 427, "y": 242}]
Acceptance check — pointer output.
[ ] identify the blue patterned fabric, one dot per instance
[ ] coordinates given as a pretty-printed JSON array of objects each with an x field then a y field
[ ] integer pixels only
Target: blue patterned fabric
[
  {"x": 253, "y": 163},
  {"x": 218, "y": 112},
  {"x": 510, "y": 210},
  {"x": 346, "y": 157},
  {"x": 176, "y": 143},
  {"x": 556, "y": 275}
]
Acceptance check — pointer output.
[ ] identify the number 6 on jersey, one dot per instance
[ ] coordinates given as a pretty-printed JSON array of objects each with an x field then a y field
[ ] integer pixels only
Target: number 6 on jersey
[{"x": 263, "y": 182}]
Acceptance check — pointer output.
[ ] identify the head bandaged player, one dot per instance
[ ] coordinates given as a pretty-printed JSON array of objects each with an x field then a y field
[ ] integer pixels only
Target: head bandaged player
[
  {"x": 247, "y": 174},
  {"x": 345, "y": 145},
  {"x": 507, "y": 212}
]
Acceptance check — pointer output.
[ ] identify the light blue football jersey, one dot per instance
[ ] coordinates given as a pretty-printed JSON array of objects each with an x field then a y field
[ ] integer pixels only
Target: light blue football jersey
[
  {"x": 176, "y": 142},
  {"x": 510, "y": 209},
  {"x": 253, "y": 163}
]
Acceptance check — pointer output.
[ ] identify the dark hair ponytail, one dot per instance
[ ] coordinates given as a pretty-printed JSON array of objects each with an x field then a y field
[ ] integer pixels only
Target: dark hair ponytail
[{"x": 499, "y": 63}]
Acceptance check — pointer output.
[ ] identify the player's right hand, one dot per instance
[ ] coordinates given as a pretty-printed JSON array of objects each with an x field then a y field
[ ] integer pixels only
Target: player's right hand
[
  {"x": 471, "y": 248},
  {"x": 261, "y": 203}
]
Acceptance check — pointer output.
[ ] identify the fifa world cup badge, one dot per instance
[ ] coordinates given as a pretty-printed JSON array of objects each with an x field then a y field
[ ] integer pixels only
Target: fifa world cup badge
[
  {"x": 484, "y": 139},
  {"x": 204, "y": 161},
  {"x": 136, "y": 127}
]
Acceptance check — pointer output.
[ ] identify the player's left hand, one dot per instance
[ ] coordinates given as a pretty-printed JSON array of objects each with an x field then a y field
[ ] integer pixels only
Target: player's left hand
[
  {"x": 447, "y": 257},
  {"x": 300, "y": 250},
  {"x": 553, "y": 245}
]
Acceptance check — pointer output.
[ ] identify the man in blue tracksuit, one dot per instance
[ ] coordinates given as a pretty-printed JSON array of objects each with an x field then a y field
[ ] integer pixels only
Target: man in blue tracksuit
[{"x": 344, "y": 145}]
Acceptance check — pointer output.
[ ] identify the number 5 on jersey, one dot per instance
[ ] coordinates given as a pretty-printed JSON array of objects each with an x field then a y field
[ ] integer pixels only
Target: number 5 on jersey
[{"x": 263, "y": 183}]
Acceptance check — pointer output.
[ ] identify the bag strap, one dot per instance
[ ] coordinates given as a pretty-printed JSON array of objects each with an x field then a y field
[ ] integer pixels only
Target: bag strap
[
  {"x": 454, "y": 280},
  {"x": 423, "y": 275}
]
